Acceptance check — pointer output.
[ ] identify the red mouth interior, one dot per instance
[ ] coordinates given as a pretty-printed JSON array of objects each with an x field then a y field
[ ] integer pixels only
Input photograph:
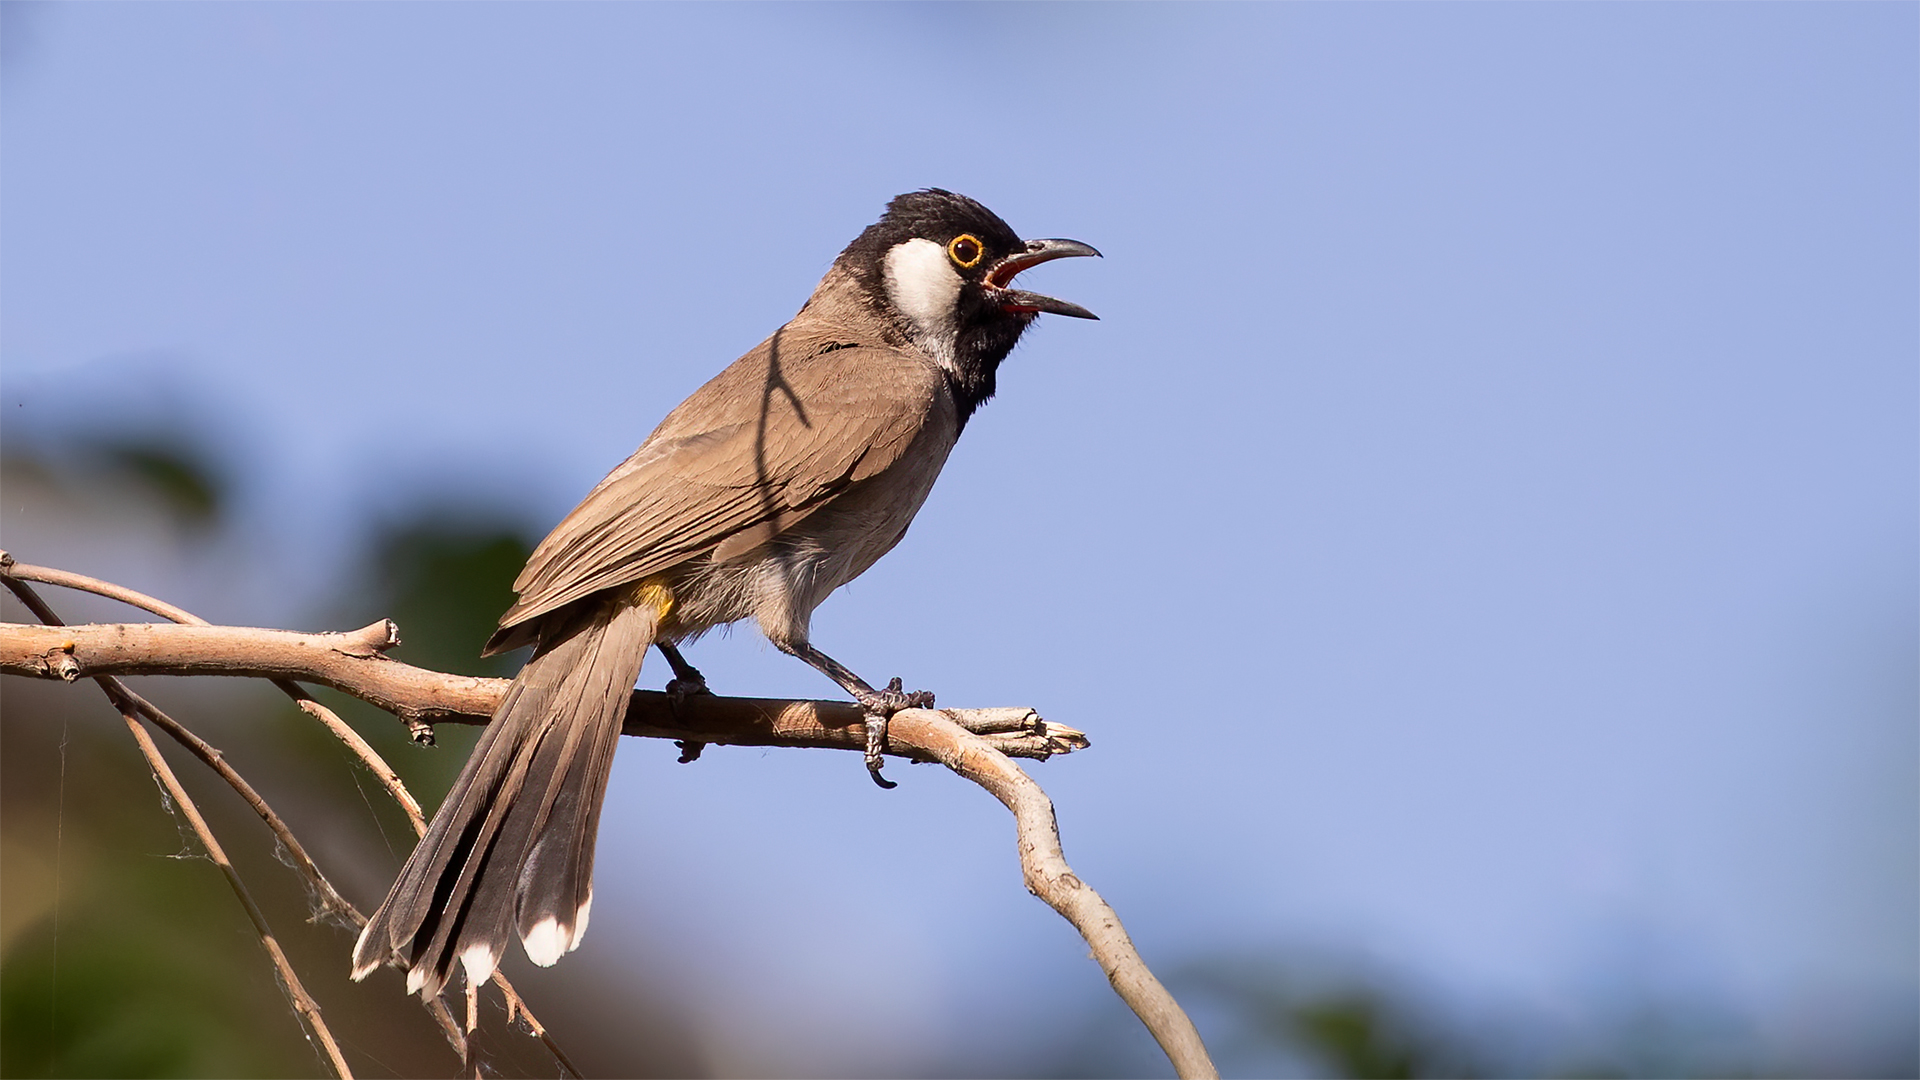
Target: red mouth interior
[{"x": 1001, "y": 276}]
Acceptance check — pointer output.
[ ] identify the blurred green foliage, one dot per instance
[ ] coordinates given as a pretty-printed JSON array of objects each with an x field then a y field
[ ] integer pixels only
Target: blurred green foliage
[
  {"x": 445, "y": 577},
  {"x": 1356, "y": 1036},
  {"x": 133, "y": 998},
  {"x": 95, "y": 985},
  {"x": 181, "y": 474}
]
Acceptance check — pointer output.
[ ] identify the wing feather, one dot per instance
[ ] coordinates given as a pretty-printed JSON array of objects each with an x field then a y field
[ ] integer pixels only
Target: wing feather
[{"x": 748, "y": 456}]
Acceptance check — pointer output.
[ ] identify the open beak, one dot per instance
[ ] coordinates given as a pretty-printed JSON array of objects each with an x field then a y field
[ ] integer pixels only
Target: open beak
[{"x": 1038, "y": 251}]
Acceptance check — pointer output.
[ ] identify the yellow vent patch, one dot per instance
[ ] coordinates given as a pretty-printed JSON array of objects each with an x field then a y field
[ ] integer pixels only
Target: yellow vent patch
[{"x": 653, "y": 592}]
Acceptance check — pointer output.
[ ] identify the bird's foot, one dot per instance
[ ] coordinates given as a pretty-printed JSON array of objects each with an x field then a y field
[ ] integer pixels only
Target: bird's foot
[
  {"x": 682, "y": 687},
  {"x": 884, "y": 703},
  {"x": 687, "y": 680},
  {"x": 880, "y": 705}
]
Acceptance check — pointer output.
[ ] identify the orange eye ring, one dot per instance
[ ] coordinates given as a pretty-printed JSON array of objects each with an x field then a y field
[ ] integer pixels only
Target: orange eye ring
[{"x": 966, "y": 251}]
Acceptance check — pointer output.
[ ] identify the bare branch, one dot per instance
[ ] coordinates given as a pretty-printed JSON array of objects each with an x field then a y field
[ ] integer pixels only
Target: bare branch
[
  {"x": 81, "y": 583},
  {"x": 353, "y": 663},
  {"x": 368, "y": 756},
  {"x": 976, "y": 743},
  {"x": 351, "y": 738},
  {"x": 130, "y": 709},
  {"x": 517, "y": 1008},
  {"x": 1048, "y": 876},
  {"x": 329, "y": 898},
  {"x": 302, "y": 1001}
]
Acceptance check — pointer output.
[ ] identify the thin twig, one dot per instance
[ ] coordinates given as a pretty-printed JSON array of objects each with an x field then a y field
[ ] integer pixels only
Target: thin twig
[
  {"x": 67, "y": 579},
  {"x": 517, "y": 1007},
  {"x": 974, "y": 743},
  {"x": 449, "y": 1027},
  {"x": 124, "y": 701},
  {"x": 368, "y": 756},
  {"x": 302, "y": 1001},
  {"x": 331, "y": 900},
  {"x": 1048, "y": 876}
]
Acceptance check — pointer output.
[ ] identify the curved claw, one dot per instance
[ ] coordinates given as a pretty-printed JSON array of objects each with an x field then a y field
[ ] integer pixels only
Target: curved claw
[
  {"x": 880, "y": 706},
  {"x": 877, "y": 746}
]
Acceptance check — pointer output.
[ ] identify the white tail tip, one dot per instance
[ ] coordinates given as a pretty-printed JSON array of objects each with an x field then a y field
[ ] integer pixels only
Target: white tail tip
[
  {"x": 480, "y": 961},
  {"x": 547, "y": 941},
  {"x": 580, "y": 920},
  {"x": 550, "y": 939},
  {"x": 363, "y": 967}
]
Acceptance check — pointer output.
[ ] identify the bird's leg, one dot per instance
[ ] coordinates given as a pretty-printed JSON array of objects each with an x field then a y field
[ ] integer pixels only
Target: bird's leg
[
  {"x": 879, "y": 705},
  {"x": 686, "y": 682}
]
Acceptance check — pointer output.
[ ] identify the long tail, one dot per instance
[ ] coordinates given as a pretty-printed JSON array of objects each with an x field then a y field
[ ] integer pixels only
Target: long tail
[{"x": 511, "y": 848}]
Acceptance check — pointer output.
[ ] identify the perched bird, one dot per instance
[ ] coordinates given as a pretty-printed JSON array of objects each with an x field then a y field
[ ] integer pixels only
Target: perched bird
[{"x": 776, "y": 483}]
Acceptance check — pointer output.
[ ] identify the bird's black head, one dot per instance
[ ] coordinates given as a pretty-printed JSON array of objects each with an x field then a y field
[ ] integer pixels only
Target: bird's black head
[{"x": 940, "y": 267}]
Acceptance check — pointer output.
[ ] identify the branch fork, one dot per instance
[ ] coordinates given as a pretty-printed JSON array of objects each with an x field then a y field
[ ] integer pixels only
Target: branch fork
[{"x": 978, "y": 744}]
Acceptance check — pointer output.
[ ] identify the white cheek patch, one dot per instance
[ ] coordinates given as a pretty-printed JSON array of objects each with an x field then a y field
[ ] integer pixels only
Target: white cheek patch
[{"x": 922, "y": 284}]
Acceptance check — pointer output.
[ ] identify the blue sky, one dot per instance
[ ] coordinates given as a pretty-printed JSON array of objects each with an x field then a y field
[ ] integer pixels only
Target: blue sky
[{"x": 1479, "y": 535}]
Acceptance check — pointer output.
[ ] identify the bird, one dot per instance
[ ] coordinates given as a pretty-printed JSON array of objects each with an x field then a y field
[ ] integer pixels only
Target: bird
[{"x": 778, "y": 481}]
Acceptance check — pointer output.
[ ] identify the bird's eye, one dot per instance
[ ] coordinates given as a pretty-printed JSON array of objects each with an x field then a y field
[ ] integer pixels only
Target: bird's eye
[{"x": 966, "y": 250}]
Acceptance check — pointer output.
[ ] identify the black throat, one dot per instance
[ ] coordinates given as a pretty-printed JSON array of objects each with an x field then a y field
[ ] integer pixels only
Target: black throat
[
  {"x": 984, "y": 340},
  {"x": 984, "y": 334}
]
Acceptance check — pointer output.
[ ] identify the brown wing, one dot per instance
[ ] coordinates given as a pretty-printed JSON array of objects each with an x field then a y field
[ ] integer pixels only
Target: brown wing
[{"x": 752, "y": 452}]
